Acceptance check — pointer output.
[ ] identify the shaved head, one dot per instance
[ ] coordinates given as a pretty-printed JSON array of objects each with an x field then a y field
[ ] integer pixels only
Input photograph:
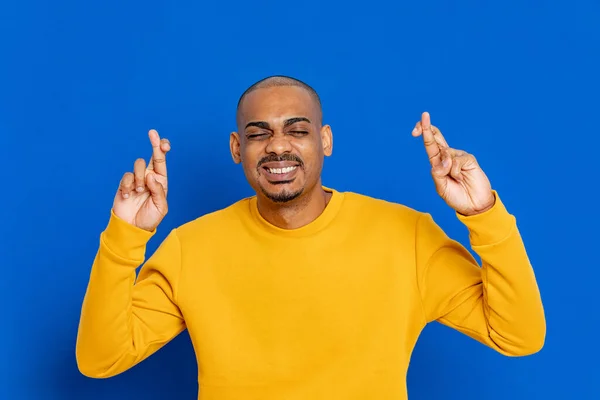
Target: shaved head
[{"x": 280, "y": 81}]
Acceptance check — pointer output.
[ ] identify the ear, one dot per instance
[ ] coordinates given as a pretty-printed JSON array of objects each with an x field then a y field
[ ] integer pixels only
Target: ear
[
  {"x": 234, "y": 147},
  {"x": 327, "y": 140}
]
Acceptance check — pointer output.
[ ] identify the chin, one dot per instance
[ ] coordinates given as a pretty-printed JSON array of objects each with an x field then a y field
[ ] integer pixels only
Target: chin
[{"x": 281, "y": 195}]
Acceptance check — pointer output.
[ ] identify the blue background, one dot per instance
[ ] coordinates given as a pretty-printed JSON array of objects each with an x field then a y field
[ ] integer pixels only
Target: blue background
[{"x": 513, "y": 82}]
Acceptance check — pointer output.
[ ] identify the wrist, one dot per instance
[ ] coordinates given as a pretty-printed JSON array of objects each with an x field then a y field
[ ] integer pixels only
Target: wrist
[
  {"x": 490, "y": 226},
  {"x": 488, "y": 206},
  {"x": 125, "y": 240}
]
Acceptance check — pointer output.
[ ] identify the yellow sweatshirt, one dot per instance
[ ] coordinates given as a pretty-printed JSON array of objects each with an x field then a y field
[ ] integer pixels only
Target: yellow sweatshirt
[{"x": 328, "y": 311}]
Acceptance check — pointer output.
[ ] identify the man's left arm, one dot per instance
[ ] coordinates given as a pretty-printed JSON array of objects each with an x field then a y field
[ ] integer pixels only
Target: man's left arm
[{"x": 497, "y": 303}]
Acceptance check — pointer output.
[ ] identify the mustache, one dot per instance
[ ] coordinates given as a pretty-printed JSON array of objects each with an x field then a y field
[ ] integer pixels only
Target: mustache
[{"x": 283, "y": 157}]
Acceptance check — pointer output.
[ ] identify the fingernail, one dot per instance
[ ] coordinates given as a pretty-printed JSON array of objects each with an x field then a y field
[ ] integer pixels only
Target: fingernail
[
  {"x": 140, "y": 189},
  {"x": 446, "y": 162},
  {"x": 125, "y": 195}
]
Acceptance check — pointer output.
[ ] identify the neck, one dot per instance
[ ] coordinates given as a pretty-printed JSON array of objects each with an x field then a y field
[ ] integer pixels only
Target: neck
[{"x": 297, "y": 213}]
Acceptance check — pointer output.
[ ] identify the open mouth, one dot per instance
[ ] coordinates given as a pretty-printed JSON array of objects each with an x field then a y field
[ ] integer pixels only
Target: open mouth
[
  {"x": 284, "y": 170},
  {"x": 280, "y": 173}
]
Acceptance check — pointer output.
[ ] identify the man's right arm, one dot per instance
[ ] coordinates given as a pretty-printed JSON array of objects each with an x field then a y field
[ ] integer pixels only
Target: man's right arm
[{"x": 124, "y": 320}]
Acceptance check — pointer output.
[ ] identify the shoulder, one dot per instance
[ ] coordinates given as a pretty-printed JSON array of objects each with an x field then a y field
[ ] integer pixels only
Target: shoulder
[
  {"x": 373, "y": 210},
  {"x": 377, "y": 206},
  {"x": 216, "y": 222}
]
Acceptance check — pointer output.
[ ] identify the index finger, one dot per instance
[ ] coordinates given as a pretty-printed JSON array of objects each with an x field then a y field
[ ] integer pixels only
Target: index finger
[
  {"x": 432, "y": 147},
  {"x": 158, "y": 162}
]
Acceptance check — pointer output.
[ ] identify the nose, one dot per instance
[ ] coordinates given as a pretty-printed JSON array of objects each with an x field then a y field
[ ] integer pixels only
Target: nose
[{"x": 279, "y": 144}]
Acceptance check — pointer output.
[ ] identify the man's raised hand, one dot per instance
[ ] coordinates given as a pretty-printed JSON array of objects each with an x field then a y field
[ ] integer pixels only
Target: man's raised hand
[
  {"x": 142, "y": 196},
  {"x": 457, "y": 176}
]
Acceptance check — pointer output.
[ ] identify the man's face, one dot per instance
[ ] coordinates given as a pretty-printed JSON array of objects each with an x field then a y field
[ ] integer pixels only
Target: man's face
[{"x": 281, "y": 143}]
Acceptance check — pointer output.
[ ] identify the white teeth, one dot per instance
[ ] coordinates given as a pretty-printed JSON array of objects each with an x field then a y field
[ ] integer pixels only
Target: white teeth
[{"x": 281, "y": 170}]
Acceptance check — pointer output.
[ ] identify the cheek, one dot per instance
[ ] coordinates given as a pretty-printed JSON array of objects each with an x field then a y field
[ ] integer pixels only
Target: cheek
[
  {"x": 311, "y": 154},
  {"x": 250, "y": 157}
]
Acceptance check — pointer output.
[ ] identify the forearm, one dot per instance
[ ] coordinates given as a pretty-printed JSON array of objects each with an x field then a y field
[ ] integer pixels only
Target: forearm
[
  {"x": 106, "y": 335},
  {"x": 498, "y": 302},
  {"x": 510, "y": 297}
]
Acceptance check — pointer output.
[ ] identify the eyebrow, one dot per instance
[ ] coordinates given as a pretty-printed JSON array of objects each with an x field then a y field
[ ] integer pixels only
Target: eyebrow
[
  {"x": 291, "y": 121},
  {"x": 288, "y": 122}
]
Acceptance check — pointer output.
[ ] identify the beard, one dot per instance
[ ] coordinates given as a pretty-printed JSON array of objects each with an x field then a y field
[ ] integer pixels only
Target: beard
[{"x": 282, "y": 196}]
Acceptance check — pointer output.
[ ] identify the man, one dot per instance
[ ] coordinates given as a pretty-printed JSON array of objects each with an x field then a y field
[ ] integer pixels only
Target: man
[{"x": 303, "y": 292}]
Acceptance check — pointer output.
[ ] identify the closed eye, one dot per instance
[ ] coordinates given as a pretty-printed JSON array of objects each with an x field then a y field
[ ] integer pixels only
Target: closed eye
[{"x": 256, "y": 135}]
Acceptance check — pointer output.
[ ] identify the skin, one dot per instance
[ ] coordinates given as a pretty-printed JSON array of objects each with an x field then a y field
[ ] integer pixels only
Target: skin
[
  {"x": 141, "y": 199},
  {"x": 282, "y": 125},
  {"x": 457, "y": 176}
]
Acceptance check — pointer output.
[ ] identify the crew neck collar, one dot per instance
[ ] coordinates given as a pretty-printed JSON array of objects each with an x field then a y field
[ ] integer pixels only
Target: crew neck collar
[{"x": 311, "y": 228}]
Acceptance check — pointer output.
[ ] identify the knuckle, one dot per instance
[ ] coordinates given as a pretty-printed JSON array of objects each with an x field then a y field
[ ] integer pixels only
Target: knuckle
[
  {"x": 127, "y": 178},
  {"x": 435, "y": 155}
]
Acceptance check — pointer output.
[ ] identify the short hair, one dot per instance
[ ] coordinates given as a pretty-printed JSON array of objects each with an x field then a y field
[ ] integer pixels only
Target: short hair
[{"x": 279, "y": 81}]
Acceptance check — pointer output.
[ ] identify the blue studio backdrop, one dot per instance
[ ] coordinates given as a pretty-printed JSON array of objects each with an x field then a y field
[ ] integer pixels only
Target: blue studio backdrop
[{"x": 81, "y": 83}]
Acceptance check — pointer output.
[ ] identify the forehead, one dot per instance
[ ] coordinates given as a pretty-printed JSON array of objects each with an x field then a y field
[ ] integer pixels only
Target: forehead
[{"x": 278, "y": 103}]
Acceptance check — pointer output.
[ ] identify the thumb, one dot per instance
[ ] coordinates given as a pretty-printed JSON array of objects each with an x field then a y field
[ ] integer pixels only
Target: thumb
[{"x": 157, "y": 191}]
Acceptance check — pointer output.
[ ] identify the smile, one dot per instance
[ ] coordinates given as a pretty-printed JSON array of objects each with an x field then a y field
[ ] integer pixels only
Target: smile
[
  {"x": 280, "y": 173},
  {"x": 281, "y": 170}
]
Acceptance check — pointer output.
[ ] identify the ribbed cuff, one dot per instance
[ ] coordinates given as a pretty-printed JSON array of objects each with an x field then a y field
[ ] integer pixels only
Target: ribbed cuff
[
  {"x": 125, "y": 240},
  {"x": 491, "y": 226}
]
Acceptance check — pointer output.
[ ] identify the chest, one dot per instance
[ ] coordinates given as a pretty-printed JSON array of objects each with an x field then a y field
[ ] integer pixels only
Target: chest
[
  {"x": 280, "y": 282},
  {"x": 298, "y": 305},
  {"x": 343, "y": 262}
]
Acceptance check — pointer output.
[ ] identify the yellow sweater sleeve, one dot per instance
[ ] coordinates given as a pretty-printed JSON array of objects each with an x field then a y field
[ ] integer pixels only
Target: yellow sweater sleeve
[
  {"x": 123, "y": 319},
  {"x": 497, "y": 303}
]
